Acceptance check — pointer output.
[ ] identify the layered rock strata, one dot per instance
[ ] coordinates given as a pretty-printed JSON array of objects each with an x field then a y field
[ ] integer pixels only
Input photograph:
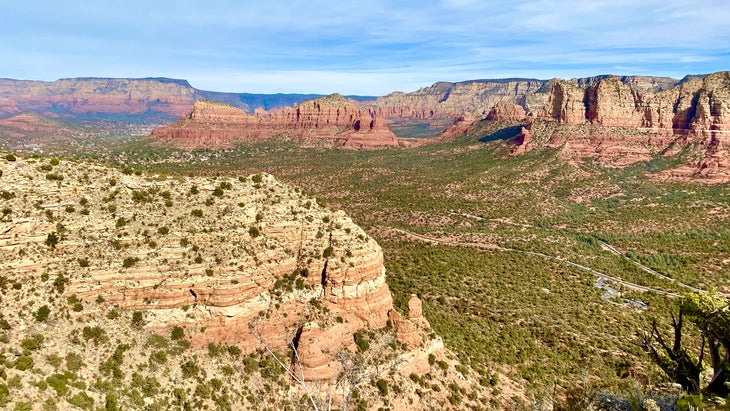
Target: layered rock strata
[
  {"x": 331, "y": 120},
  {"x": 243, "y": 261},
  {"x": 621, "y": 122}
]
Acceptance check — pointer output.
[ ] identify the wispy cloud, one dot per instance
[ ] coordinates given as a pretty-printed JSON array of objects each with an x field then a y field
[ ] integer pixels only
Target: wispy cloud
[{"x": 351, "y": 47}]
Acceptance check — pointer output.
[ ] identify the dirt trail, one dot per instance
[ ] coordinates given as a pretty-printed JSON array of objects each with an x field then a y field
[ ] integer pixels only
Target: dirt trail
[{"x": 601, "y": 276}]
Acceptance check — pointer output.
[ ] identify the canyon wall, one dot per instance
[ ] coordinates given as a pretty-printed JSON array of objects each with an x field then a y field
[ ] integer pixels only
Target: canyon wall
[
  {"x": 331, "y": 120},
  {"x": 622, "y": 122}
]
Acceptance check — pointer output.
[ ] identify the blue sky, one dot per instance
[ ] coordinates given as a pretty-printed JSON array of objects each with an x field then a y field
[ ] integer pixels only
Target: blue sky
[{"x": 368, "y": 48}]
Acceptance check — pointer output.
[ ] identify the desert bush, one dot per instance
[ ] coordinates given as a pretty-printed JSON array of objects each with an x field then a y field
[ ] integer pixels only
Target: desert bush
[
  {"x": 253, "y": 231},
  {"x": 52, "y": 240},
  {"x": 42, "y": 313},
  {"x": 82, "y": 400},
  {"x": 130, "y": 261},
  {"x": 23, "y": 363},
  {"x": 189, "y": 369},
  {"x": 177, "y": 333},
  {"x": 361, "y": 341},
  {"x": 382, "y": 387},
  {"x": 74, "y": 362},
  {"x": 95, "y": 333},
  {"x": 138, "y": 319}
]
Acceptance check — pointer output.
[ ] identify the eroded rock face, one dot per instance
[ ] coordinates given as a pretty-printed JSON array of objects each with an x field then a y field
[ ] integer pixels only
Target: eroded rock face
[
  {"x": 242, "y": 261},
  {"x": 329, "y": 120},
  {"x": 443, "y": 104},
  {"x": 407, "y": 329},
  {"x": 625, "y": 122}
]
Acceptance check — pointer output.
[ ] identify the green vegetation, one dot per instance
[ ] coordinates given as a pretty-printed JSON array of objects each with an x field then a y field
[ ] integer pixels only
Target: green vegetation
[
  {"x": 472, "y": 191},
  {"x": 42, "y": 313},
  {"x": 498, "y": 308}
]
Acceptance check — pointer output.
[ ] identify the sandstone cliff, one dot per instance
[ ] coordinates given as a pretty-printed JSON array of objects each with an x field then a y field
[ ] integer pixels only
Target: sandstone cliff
[
  {"x": 622, "y": 121},
  {"x": 442, "y": 104},
  {"x": 244, "y": 262},
  {"x": 331, "y": 120}
]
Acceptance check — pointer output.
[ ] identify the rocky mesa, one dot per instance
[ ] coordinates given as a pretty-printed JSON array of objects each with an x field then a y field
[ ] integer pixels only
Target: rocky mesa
[{"x": 331, "y": 121}]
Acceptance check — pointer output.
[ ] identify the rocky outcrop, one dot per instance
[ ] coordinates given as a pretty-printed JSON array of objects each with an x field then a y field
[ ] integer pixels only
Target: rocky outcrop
[
  {"x": 506, "y": 111},
  {"x": 408, "y": 330},
  {"x": 246, "y": 262},
  {"x": 331, "y": 120},
  {"x": 624, "y": 121},
  {"x": 444, "y": 103}
]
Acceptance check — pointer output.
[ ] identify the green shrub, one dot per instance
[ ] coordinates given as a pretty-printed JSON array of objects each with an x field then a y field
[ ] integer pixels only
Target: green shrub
[
  {"x": 52, "y": 240},
  {"x": 58, "y": 383},
  {"x": 74, "y": 362},
  {"x": 23, "y": 406},
  {"x": 382, "y": 387},
  {"x": 159, "y": 357},
  {"x": 4, "y": 394},
  {"x": 257, "y": 178},
  {"x": 10, "y": 157},
  {"x": 83, "y": 401},
  {"x": 138, "y": 319},
  {"x": 194, "y": 190},
  {"x": 218, "y": 192},
  {"x": 254, "y": 232},
  {"x": 54, "y": 177},
  {"x": 361, "y": 342},
  {"x": 177, "y": 333},
  {"x": 196, "y": 212},
  {"x": 95, "y": 333},
  {"x": 42, "y": 313},
  {"x": 60, "y": 283},
  {"x": 32, "y": 343},
  {"x": 163, "y": 230},
  {"x": 83, "y": 262},
  {"x": 129, "y": 261},
  {"x": 189, "y": 369},
  {"x": 327, "y": 252},
  {"x": 23, "y": 363}
]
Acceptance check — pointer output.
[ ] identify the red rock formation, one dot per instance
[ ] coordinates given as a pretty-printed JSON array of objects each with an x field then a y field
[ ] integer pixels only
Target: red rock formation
[
  {"x": 506, "y": 111},
  {"x": 101, "y": 95},
  {"x": 407, "y": 329},
  {"x": 565, "y": 104},
  {"x": 306, "y": 265},
  {"x": 332, "y": 119},
  {"x": 629, "y": 123}
]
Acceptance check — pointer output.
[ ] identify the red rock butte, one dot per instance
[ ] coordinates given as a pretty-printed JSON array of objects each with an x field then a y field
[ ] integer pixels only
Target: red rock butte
[{"x": 331, "y": 120}]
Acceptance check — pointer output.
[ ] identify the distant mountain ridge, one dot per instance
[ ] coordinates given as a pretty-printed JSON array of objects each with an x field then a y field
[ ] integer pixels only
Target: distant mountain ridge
[{"x": 153, "y": 99}]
